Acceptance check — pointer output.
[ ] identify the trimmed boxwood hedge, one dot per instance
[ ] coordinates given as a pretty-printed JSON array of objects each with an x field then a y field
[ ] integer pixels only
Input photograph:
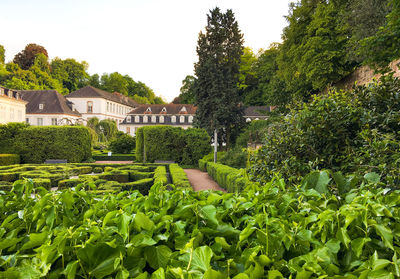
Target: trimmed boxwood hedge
[
  {"x": 9, "y": 159},
  {"x": 160, "y": 175},
  {"x": 143, "y": 185},
  {"x": 233, "y": 180},
  {"x": 38, "y": 144},
  {"x": 169, "y": 143},
  {"x": 179, "y": 177}
]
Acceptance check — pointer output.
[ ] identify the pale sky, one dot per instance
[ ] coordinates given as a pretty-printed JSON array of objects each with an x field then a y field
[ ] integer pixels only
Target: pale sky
[{"x": 153, "y": 41}]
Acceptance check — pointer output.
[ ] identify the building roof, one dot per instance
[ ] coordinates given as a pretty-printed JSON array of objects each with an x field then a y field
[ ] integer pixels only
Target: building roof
[
  {"x": 255, "y": 111},
  {"x": 165, "y": 109},
  {"x": 53, "y": 102},
  {"x": 92, "y": 92},
  {"x": 12, "y": 94}
]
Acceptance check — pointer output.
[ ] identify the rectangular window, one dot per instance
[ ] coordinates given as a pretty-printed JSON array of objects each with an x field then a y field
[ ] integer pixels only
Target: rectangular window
[
  {"x": 41, "y": 106},
  {"x": 40, "y": 121},
  {"x": 128, "y": 130},
  {"x": 54, "y": 121},
  {"x": 89, "y": 106},
  {"x": 27, "y": 120}
]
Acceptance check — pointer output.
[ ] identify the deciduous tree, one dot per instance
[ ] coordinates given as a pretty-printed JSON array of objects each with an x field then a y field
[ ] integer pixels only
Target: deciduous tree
[{"x": 26, "y": 57}]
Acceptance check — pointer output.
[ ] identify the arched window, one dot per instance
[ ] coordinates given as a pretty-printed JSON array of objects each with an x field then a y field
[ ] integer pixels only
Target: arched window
[
  {"x": 182, "y": 119},
  {"x": 137, "y": 119},
  {"x": 161, "y": 119},
  {"x": 248, "y": 120},
  {"x": 145, "y": 119},
  {"x": 89, "y": 106},
  {"x": 153, "y": 119},
  {"x": 190, "y": 119},
  {"x": 173, "y": 119},
  {"x": 128, "y": 119}
]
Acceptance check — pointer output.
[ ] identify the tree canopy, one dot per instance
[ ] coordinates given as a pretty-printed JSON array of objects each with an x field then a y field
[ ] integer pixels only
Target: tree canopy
[
  {"x": 219, "y": 50},
  {"x": 31, "y": 70}
]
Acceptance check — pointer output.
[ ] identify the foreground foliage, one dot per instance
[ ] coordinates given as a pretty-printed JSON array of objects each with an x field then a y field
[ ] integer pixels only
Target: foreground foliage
[{"x": 276, "y": 231}]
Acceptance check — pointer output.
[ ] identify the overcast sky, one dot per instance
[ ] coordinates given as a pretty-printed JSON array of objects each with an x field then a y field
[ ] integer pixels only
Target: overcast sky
[{"x": 153, "y": 41}]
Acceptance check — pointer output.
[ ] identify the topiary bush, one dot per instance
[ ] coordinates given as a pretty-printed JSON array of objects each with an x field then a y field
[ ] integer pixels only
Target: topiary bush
[
  {"x": 179, "y": 177},
  {"x": 169, "y": 143},
  {"x": 37, "y": 144},
  {"x": 124, "y": 144},
  {"x": 8, "y": 132}
]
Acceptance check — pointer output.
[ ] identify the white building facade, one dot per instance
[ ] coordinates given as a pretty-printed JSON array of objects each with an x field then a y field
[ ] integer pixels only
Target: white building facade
[
  {"x": 12, "y": 107},
  {"x": 93, "y": 102}
]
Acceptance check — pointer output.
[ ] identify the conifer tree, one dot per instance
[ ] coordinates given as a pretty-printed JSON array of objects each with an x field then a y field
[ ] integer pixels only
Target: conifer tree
[{"x": 216, "y": 91}]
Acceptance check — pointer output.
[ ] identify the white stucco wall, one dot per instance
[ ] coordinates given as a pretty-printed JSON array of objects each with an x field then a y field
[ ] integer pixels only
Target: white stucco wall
[
  {"x": 62, "y": 119},
  {"x": 11, "y": 110}
]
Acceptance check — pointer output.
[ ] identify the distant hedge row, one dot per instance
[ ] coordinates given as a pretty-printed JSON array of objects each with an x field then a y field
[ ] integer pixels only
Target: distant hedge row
[
  {"x": 38, "y": 144},
  {"x": 169, "y": 143}
]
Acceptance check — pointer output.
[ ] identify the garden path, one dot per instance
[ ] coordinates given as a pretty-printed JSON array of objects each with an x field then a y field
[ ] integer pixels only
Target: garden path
[{"x": 201, "y": 180}]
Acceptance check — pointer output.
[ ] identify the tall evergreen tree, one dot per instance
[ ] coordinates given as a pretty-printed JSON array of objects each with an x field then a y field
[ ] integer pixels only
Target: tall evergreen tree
[{"x": 216, "y": 91}]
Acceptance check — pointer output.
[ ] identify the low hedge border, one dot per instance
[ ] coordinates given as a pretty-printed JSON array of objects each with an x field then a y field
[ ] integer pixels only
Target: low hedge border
[
  {"x": 230, "y": 179},
  {"x": 160, "y": 175},
  {"x": 9, "y": 159},
  {"x": 179, "y": 177},
  {"x": 143, "y": 185}
]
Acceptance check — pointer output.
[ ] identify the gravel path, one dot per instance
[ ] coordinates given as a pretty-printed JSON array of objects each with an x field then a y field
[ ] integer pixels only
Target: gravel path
[{"x": 201, "y": 180}]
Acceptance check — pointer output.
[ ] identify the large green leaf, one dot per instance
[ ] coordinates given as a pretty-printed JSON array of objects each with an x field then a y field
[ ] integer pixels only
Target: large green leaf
[
  {"x": 209, "y": 213},
  {"x": 317, "y": 180},
  {"x": 385, "y": 234},
  {"x": 157, "y": 256},
  {"x": 35, "y": 239}
]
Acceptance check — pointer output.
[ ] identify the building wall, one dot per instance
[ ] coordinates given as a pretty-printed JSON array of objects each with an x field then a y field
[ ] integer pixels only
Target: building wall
[
  {"x": 51, "y": 119},
  {"x": 11, "y": 110},
  {"x": 102, "y": 109},
  {"x": 131, "y": 129}
]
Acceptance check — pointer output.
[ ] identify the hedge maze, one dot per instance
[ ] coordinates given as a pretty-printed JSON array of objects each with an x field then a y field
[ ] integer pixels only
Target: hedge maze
[{"x": 102, "y": 178}]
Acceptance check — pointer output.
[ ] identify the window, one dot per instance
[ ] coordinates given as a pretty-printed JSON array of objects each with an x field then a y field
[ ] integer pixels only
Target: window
[
  {"x": 113, "y": 110},
  {"x": 182, "y": 119},
  {"x": 89, "y": 106},
  {"x": 144, "y": 119},
  {"x": 137, "y": 119},
  {"x": 128, "y": 119},
  {"x": 27, "y": 120},
  {"x": 183, "y": 109},
  {"x": 153, "y": 119},
  {"x": 40, "y": 121},
  {"x": 190, "y": 119},
  {"x": 41, "y": 106},
  {"x": 173, "y": 118},
  {"x": 148, "y": 109},
  {"x": 108, "y": 106},
  {"x": 128, "y": 130},
  {"x": 164, "y": 110},
  {"x": 161, "y": 119},
  {"x": 248, "y": 120},
  {"x": 54, "y": 121}
]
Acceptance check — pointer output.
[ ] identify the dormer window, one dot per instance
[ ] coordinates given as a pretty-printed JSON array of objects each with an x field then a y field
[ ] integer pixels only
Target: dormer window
[
  {"x": 148, "y": 110},
  {"x": 164, "y": 110},
  {"x": 41, "y": 106},
  {"x": 183, "y": 109}
]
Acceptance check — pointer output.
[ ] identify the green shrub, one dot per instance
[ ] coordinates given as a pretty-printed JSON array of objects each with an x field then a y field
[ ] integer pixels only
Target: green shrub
[
  {"x": 137, "y": 175},
  {"x": 84, "y": 170},
  {"x": 116, "y": 175},
  {"x": 8, "y": 176},
  {"x": 231, "y": 179},
  {"x": 169, "y": 143},
  {"x": 69, "y": 183},
  {"x": 9, "y": 159},
  {"x": 5, "y": 186},
  {"x": 42, "y": 182},
  {"x": 97, "y": 170},
  {"x": 139, "y": 145},
  {"x": 160, "y": 175},
  {"x": 8, "y": 132},
  {"x": 179, "y": 177},
  {"x": 235, "y": 158},
  {"x": 143, "y": 185},
  {"x": 203, "y": 165},
  {"x": 115, "y": 157},
  {"x": 37, "y": 144},
  {"x": 123, "y": 144},
  {"x": 348, "y": 131}
]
